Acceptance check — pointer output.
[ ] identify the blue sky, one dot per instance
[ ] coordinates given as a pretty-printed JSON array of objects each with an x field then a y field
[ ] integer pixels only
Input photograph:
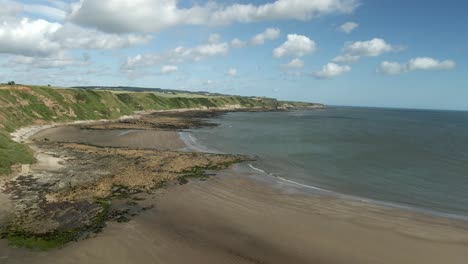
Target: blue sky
[{"x": 396, "y": 53}]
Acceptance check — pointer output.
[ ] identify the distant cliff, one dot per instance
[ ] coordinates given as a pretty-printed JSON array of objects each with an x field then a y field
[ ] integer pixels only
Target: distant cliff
[{"x": 28, "y": 105}]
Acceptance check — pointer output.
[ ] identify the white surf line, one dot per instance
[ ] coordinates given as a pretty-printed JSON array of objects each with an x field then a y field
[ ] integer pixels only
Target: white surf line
[
  {"x": 126, "y": 132},
  {"x": 257, "y": 169},
  {"x": 193, "y": 144},
  {"x": 289, "y": 181},
  {"x": 303, "y": 185},
  {"x": 408, "y": 208}
]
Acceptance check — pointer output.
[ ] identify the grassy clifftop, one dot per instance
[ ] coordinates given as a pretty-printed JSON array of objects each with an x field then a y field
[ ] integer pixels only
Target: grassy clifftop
[{"x": 28, "y": 105}]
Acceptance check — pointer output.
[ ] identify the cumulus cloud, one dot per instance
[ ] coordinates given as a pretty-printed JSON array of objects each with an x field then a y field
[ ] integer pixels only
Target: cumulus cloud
[
  {"x": 426, "y": 63},
  {"x": 346, "y": 58},
  {"x": 169, "y": 69},
  {"x": 348, "y": 27},
  {"x": 391, "y": 68},
  {"x": 237, "y": 43},
  {"x": 353, "y": 51},
  {"x": 416, "y": 64},
  {"x": 331, "y": 70},
  {"x": 46, "y": 11},
  {"x": 232, "y": 72},
  {"x": 295, "y": 64},
  {"x": 39, "y": 39},
  {"x": 214, "y": 38},
  {"x": 257, "y": 40},
  {"x": 59, "y": 60},
  {"x": 74, "y": 37},
  {"x": 295, "y": 46},
  {"x": 136, "y": 16},
  {"x": 268, "y": 34},
  {"x": 371, "y": 48},
  {"x": 177, "y": 55},
  {"x": 28, "y": 37},
  {"x": 9, "y": 8}
]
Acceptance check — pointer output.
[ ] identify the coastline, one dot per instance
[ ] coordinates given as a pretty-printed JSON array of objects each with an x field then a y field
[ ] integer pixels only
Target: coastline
[
  {"x": 193, "y": 144},
  {"x": 238, "y": 216}
]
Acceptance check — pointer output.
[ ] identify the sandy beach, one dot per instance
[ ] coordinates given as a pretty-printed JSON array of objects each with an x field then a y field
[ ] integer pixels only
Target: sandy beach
[
  {"x": 231, "y": 219},
  {"x": 143, "y": 139},
  {"x": 237, "y": 216}
]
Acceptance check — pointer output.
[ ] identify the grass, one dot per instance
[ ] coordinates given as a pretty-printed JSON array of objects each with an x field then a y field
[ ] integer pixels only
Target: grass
[{"x": 13, "y": 153}]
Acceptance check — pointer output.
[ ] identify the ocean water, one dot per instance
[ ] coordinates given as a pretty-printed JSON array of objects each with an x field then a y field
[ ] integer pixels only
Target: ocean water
[{"x": 411, "y": 158}]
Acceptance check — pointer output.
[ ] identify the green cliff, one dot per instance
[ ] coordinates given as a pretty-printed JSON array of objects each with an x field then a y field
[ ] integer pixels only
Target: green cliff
[{"x": 29, "y": 105}]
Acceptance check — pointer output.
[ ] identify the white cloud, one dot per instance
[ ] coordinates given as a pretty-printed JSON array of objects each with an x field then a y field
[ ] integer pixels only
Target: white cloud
[
  {"x": 41, "y": 38},
  {"x": 9, "y": 8},
  {"x": 59, "y": 4},
  {"x": 136, "y": 16},
  {"x": 268, "y": 34},
  {"x": 426, "y": 63},
  {"x": 353, "y": 51},
  {"x": 59, "y": 60},
  {"x": 416, "y": 64},
  {"x": 214, "y": 38},
  {"x": 295, "y": 64},
  {"x": 348, "y": 27},
  {"x": 28, "y": 37},
  {"x": 52, "y": 9},
  {"x": 38, "y": 43},
  {"x": 391, "y": 68},
  {"x": 169, "y": 69},
  {"x": 371, "y": 48},
  {"x": 346, "y": 58},
  {"x": 177, "y": 55},
  {"x": 232, "y": 72},
  {"x": 201, "y": 52},
  {"x": 47, "y": 11},
  {"x": 74, "y": 37},
  {"x": 331, "y": 70},
  {"x": 237, "y": 43},
  {"x": 259, "y": 39},
  {"x": 295, "y": 46}
]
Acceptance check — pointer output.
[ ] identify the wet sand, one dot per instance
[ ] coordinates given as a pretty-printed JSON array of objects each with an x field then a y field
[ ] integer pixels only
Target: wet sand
[
  {"x": 232, "y": 219},
  {"x": 126, "y": 138}
]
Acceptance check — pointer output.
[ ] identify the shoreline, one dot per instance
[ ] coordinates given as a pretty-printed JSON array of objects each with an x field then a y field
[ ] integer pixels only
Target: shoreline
[
  {"x": 281, "y": 184},
  {"x": 193, "y": 144},
  {"x": 364, "y": 206},
  {"x": 238, "y": 216},
  {"x": 411, "y": 209}
]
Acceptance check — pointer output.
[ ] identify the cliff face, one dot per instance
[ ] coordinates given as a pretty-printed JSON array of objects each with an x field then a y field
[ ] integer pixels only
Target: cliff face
[
  {"x": 23, "y": 105},
  {"x": 28, "y": 105}
]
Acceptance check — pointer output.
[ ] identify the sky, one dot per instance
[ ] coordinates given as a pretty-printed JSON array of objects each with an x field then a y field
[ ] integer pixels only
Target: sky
[{"x": 386, "y": 53}]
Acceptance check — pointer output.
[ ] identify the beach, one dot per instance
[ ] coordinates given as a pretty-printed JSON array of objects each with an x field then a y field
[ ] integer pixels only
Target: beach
[
  {"x": 240, "y": 220},
  {"x": 236, "y": 216}
]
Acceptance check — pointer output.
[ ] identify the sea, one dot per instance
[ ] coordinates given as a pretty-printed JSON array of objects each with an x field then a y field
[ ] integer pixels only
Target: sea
[{"x": 413, "y": 159}]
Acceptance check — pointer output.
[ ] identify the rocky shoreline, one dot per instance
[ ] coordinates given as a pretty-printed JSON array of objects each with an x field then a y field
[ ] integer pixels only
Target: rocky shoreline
[{"x": 76, "y": 187}]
